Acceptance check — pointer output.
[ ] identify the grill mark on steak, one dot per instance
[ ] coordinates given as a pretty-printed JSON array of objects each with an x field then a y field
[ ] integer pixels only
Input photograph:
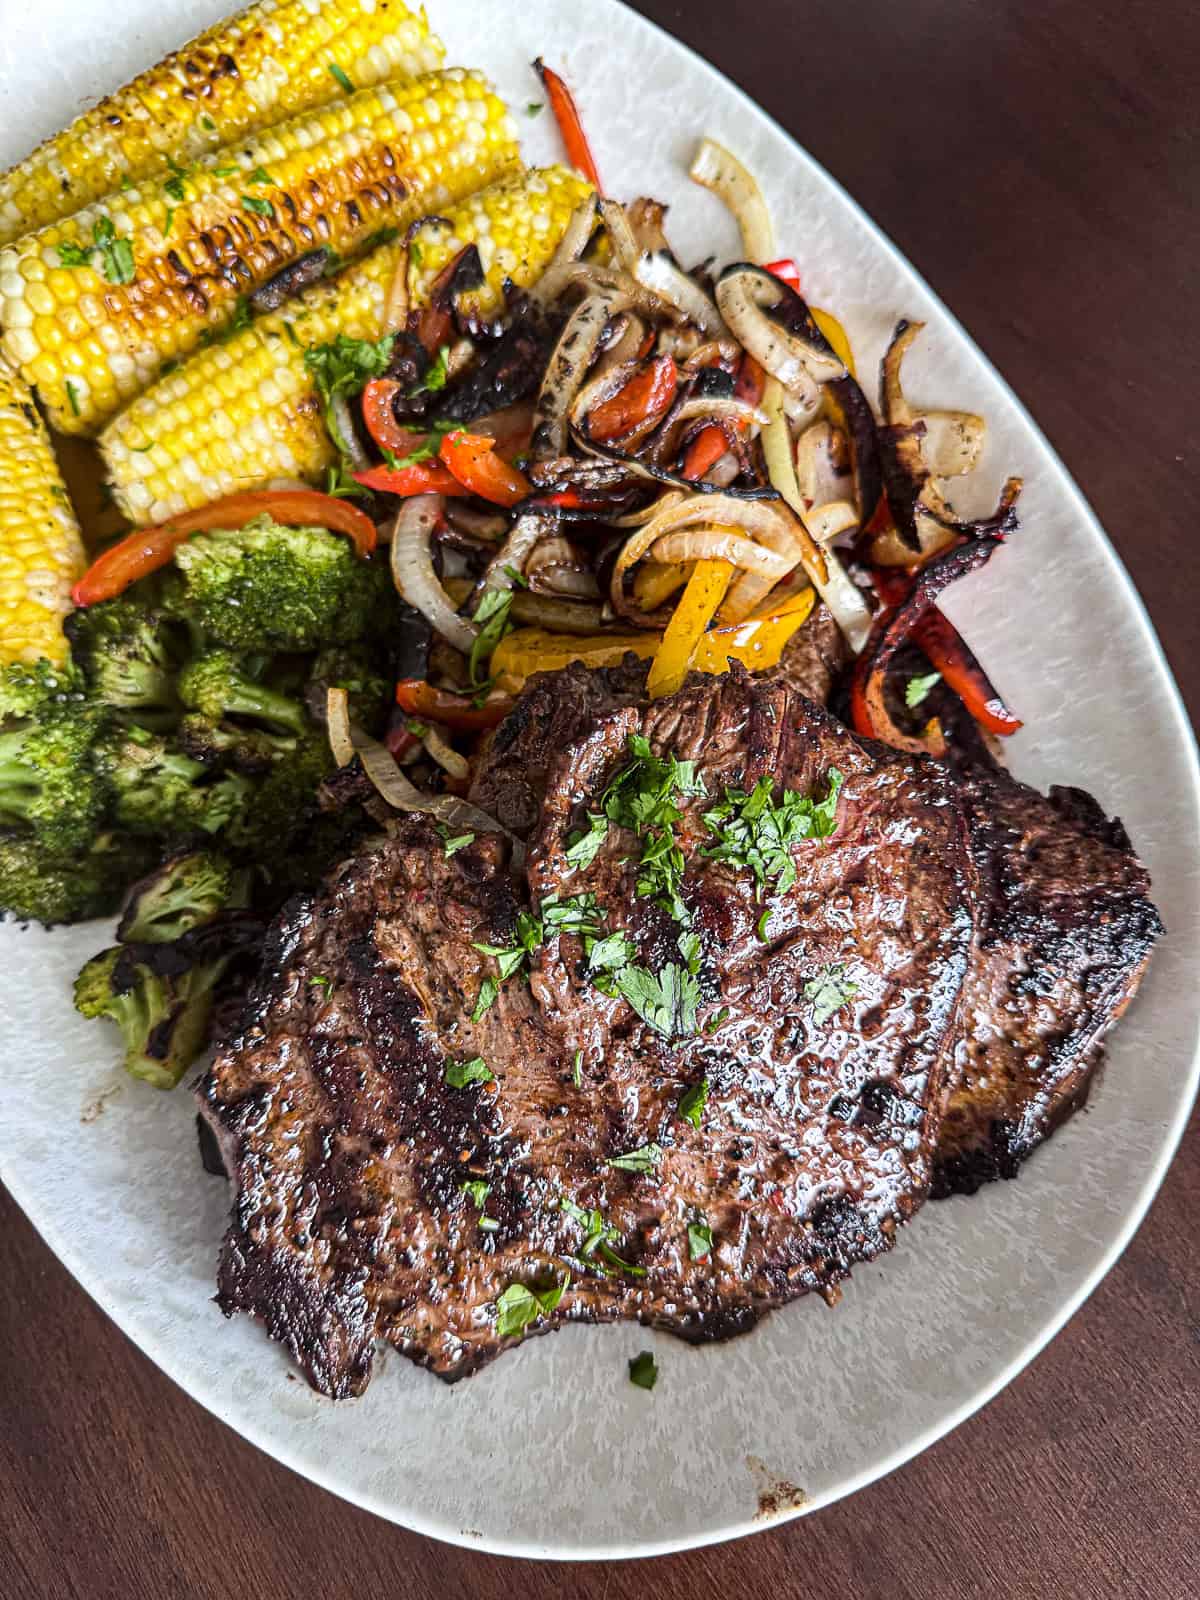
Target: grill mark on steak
[{"x": 348, "y": 1150}]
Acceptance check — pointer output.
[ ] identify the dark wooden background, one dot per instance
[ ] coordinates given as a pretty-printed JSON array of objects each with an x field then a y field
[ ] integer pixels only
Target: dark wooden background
[{"x": 1038, "y": 160}]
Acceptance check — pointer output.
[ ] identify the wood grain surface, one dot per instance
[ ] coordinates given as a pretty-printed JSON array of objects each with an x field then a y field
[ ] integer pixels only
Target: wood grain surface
[{"x": 1038, "y": 161}]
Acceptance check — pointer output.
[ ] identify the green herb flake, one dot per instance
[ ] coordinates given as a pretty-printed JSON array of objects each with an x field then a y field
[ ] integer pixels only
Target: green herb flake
[
  {"x": 693, "y": 1101},
  {"x": 415, "y": 254},
  {"x": 519, "y": 1306},
  {"x": 489, "y": 991},
  {"x": 452, "y": 843},
  {"x": 477, "y": 1190},
  {"x": 174, "y": 190},
  {"x": 342, "y": 485},
  {"x": 643, "y": 1371},
  {"x": 74, "y": 255},
  {"x": 169, "y": 223},
  {"x": 597, "y": 1237},
  {"x": 760, "y": 930},
  {"x": 340, "y": 78},
  {"x": 320, "y": 981},
  {"x": 584, "y": 845},
  {"x": 460, "y": 1074},
  {"x": 644, "y": 1159},
  {"x": 207, "y": 123},
  {"x": 829, "y": 991},
  {"x": 343, "y": 367},
  {"x": 261, "y": 176},
  {"x": 916, "y": 689},
  {"x": 644, "y": 797},
  {"x": 493, "y": 620},
  {"x": 437, "y": 374},
  {"x": 72, "y": 397},
  {"x": 224, "y": 172},
  {"x": 534, "y": 108},
  {"x": 260, "y": 207},
  {"x": 699, "y": 1236},
  {"x": 715, "y": 1021},
  {"x": 116, "y": 254},
  {"x": 666, "y": 1000},
  {"x": 757, "y": 832}
]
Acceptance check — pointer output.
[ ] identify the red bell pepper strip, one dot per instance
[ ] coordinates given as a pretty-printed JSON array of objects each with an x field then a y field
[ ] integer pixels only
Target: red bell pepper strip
[
  {"x": 645, "y": 399},
  {"x": 710, "y": 444},
  {"x": 148, "y": 549},
  {"x": 786, "y": 270},
  {"x": 566, "y": 114},
  {"x": 423, "y": 477},
  {"x": 951, "y": 655},
  {"x": 421, "y": 700},
  {"x": 473, "y": 460},
  {"x": 380, "y": 418}
]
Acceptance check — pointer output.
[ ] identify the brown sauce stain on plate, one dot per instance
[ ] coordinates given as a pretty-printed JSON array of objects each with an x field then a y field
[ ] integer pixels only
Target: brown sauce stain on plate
[{"x": 776, "y": 1496}]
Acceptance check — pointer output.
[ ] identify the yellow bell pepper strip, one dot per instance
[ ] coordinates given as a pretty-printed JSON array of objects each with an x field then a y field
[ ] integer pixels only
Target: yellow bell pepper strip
[
  {"x": 758, "y": 643},
  {"x": 529, "y": 650},
  {"x": 656, "y": 581},
  {"x": 837, "y": 336},
  {"x": 705, "y": 590}
]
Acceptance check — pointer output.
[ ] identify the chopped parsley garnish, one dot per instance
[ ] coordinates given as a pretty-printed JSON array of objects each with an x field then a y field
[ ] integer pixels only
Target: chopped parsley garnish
[
  {"x": 452, "y": 843},
  {"x": 757, "y": 832},
  {"x": 116, "y": 255},
  {"x": 715, "y": 1021},
  {"x": 383, "y": 235},
  {"x": 478, "y": 1191},
  {"x": 829, "y": 991},
  {"x": 343, "y": 367},
  {"x": 644, "y": 1159},
  {"x": 492, "y": 619},
  {"x": 534, "y": 107},
  {"x": 642, "y": 797},
  {"x": 260, "y": 207},
  {"x": 340, "y": 78},
  {"x": 699, "y": 1239},
  {"x": 169, "y": 223},
  {"x": 260, "y": 176},
  {"x": 342, "y": 485},
  {"x": 577, "y": 1070},
  {"x": 489, "y": 990},
  {"x": 643, "y": 1371},
  {"x": 174, "y": 188},
  {"x": 760, "y": 930},
  {"x": 320, "y": 981},
  {"x": 415, "y": 253},
  {"x": 437, "y": 374},
  {"x": 584, "y": 846},
  {"x": 611, "y": 953},
  {"x": 688, "y": 945},
  {"x": 207, "y": 123},
  {"x": 916, "y": 689},
  {"x": 693, "y": 1101},
  {"x": 459, "y": 1074},
  {"x": 518, "y": 1306},
  {"x": 72, "y": 396},
  {"x": 224, "y": 172},
  {"x": 417, "y": 729},
  {"x": 597, "y": 1235},
  {"x": 667, "y": 1000}
]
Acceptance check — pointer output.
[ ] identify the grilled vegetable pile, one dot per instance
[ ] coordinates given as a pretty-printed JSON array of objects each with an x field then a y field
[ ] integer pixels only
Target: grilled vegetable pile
[{"x": 395, "y": 423}]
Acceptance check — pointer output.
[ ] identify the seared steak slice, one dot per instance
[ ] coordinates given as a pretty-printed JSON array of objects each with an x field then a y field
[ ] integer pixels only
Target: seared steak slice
[
  {"x": 1064, "y": 930},
  {"x": 556, "y": 709},
  {"x": 349, "y": 1149}
]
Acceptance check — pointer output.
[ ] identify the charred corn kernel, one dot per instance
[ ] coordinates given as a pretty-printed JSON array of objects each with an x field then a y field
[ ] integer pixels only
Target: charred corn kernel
[
  {"x": 270, "y": 62},
  {"x": 41, "y": 552},
  {"x": 244, "y": 413},
  {"x": 93, "y": 306},
  {"x": 508, "y": 224}
]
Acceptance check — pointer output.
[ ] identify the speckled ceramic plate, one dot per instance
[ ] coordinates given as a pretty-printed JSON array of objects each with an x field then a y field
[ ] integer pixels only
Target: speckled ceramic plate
[{"x": 552, "y": 1451}]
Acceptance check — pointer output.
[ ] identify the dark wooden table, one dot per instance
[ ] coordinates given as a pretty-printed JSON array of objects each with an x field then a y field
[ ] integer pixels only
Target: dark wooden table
[{"x": 1039, "y": 164}]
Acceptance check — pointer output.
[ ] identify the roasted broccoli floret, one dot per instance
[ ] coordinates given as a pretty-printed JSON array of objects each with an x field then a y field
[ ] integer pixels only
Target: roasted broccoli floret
[
  {"x": 27, "y": 687},
  {"x": 128, "y": 651},
  {"x": 163, "y": 1015},
  {"x": 219, "y": 684},
  {"x": 271, "y": 588},
  {"x": 220, "y": 744},
  {"x": 159, "y": 790},
  {"x": 187, "y": 891},
  {"x": 48, "y": 779},
  {"x": 39, "y": 885},
  {"x": 284, "y": 800}
]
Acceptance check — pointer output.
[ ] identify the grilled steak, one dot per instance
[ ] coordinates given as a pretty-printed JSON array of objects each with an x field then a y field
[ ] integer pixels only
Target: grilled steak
[
  {"x": 822, "y": 1036},
  {"x": 1064, "y": 930}
]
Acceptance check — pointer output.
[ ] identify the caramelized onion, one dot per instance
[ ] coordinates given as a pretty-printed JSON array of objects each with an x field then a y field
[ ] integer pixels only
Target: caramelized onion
[
  {"x": 413, "y": 574},
  {"x": 717, "y": 169}
]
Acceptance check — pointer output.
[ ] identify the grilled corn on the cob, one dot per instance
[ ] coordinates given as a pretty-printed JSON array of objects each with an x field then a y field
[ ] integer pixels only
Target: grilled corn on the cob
[
  {"x": 273, "y": 60},
  {"x": 244, "y": 413},
  {"x": 41, "y": 553},
  {"x": 94, "y": 305}
]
